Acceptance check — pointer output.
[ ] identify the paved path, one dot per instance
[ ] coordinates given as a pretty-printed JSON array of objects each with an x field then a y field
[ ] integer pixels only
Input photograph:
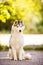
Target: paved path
[
  {"x": 37, "y": 59},
  {"x": 29, "y": 39}
]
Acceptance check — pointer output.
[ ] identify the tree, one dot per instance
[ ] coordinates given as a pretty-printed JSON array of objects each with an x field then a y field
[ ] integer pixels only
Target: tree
[{"x": 26, "y": 10}]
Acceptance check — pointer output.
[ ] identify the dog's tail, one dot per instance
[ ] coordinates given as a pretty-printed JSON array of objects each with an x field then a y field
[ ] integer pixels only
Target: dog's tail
[{"x": 27, "y": 56}]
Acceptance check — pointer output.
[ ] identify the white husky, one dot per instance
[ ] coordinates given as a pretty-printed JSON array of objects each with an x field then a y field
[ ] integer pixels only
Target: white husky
[{"x": 16, "y": 42}]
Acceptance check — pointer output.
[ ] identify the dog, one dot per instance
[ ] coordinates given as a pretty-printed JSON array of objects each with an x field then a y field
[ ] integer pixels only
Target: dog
[{"x": 16, "y": 42}]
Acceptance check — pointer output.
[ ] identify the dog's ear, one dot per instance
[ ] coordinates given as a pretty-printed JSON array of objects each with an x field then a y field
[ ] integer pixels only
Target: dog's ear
[
  {"x": 15, "y": 22},
  {"x": 22, "y": 23}
]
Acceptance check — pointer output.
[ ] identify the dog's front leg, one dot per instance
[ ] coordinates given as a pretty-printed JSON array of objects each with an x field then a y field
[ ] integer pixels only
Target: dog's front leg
[
  {"x": 20, "y": 55},
  {"x": 15, "y": 54}
]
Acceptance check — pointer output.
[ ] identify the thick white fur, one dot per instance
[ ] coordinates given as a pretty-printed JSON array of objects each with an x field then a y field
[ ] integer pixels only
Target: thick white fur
[{"x": 16, "y": 42}]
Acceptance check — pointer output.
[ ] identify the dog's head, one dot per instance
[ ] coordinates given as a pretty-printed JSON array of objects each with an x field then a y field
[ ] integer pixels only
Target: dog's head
[{"x": 18, "y": 26}]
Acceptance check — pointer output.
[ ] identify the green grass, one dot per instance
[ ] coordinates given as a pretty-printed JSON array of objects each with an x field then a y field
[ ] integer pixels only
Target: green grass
[
  {"x": 26, "y": 48},
  {"x": 39, "y": 47},
  {"x": 33, "y": 47},
  {"x": 1, "y": 47},
  {"x": 4, "y": 48}
]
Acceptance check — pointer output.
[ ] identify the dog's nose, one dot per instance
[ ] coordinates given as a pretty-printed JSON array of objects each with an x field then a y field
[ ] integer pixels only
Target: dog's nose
[{"x": 19, "y": 30}]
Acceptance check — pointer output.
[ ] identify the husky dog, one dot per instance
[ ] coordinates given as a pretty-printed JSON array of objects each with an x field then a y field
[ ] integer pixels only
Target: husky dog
[{"x": 16, "y": 42}]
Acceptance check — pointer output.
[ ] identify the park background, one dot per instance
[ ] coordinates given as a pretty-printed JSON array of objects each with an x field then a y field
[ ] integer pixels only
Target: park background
[{"x": 30, "y": 12}]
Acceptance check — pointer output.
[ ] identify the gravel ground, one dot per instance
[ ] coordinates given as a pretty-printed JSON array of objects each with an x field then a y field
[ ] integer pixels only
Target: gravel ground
[{"x": 37, "y": 59}]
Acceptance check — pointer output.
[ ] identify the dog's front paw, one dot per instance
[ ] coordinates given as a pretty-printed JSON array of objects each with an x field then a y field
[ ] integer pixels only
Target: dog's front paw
[
  {"x": 20, "y": 59},
  {"x": 15, "y": 59}
]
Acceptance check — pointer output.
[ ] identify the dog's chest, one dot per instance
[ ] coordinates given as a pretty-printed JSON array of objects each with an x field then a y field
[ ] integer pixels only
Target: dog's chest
[
  {"x": 17, "y": 40},
  {"x": 17, "y": 37}
]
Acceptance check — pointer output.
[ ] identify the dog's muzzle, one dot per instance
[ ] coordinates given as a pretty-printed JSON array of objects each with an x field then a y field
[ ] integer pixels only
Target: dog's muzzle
[{"x": 19, "y": 30}]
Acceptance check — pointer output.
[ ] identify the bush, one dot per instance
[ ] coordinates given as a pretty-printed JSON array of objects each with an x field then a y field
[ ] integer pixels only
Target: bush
[
  {"x": 4, "y": 48},
  {"x": 33, "y": 47},
  {"x": 1, "y": 47},
  {"x": 40, "y": 47},
  {"x": 27, "y": 48}
]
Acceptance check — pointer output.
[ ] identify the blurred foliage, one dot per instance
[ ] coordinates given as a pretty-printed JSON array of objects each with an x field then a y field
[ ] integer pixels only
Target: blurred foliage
[
  {"x": 29, "y": 11},
  {"x": 40, "y": 47},
  {"x": 33, "y": 47},
  {"x": 4, "y": 48},
  {"x": 39, "y": 27},
  {"x": 1, "y": 47},
  {"x": 26, "y": 48}
]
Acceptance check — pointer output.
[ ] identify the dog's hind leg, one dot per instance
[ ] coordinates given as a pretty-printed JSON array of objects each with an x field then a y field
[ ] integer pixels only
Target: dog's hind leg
[{"x": 11, "y": 54}]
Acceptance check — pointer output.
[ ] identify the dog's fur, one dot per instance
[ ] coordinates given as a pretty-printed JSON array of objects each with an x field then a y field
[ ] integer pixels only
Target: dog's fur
[{"x": 16, "y": 42}]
